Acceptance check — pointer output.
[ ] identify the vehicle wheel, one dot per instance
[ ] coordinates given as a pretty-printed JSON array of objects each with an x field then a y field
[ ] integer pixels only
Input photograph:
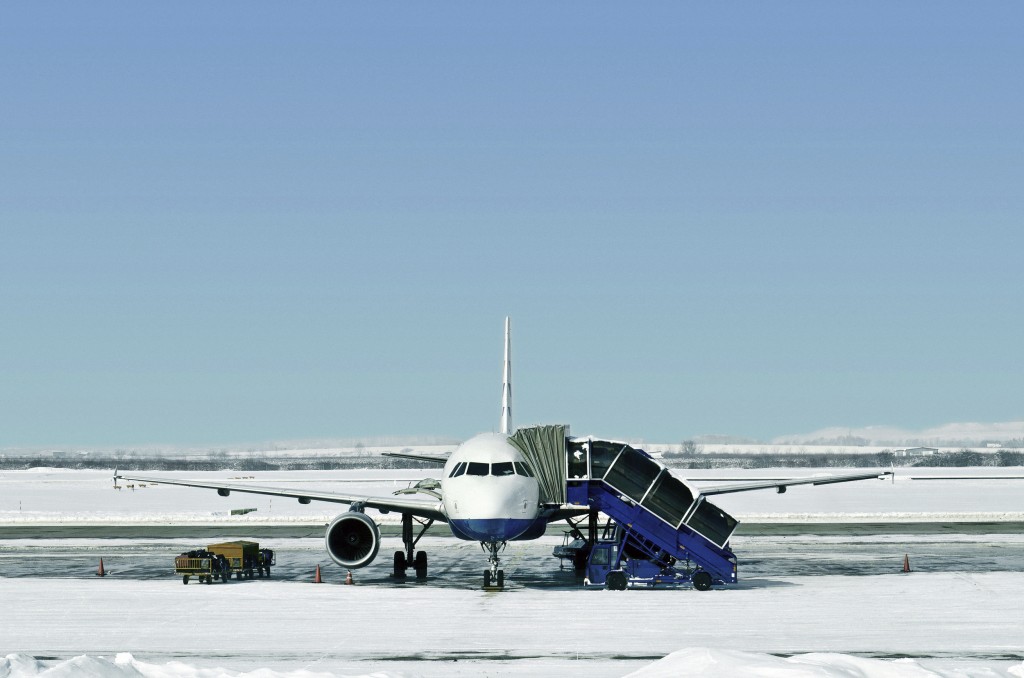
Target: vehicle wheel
[
  {"x": 616, "y": 581},
  {"x": 487, "y": 578},
  {"x": 421, "y": 565},
  {"x": 400, "y": 565},
  {"x": 702, "y": 581},
  {"x": 209, "y": 580},
  {"x": 184, "y": 579},
  {"x": 267, "y": 570},
  {"x": 501, "y": 579}
]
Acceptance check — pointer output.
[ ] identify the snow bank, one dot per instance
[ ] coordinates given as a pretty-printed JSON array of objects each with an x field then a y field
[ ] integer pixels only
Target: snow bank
[
  {"x": 125, "y": 665},
  {"x": 689, "y": 663},
  {"x": 707, "y": 663}
]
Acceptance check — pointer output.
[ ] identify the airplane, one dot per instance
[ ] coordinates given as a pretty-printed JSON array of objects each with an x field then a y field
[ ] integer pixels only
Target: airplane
[{"x": 490, "y": 491}]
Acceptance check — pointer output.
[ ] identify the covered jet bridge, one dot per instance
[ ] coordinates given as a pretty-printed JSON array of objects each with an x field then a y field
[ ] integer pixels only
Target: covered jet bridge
[{"x": 544, "y": 449}]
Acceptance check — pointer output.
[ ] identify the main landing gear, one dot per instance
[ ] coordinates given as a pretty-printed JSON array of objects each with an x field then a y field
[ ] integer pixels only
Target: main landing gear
[
  {"x": 494, "y": 578},
  {"x": 406, "y": 559}
]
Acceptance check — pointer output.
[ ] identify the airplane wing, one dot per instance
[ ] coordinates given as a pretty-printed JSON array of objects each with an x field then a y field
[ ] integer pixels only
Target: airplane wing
[
  {"x": 417, "y": 457},
  {"x": 423, "y": 508},
  {"x": 780, "y": 484}
]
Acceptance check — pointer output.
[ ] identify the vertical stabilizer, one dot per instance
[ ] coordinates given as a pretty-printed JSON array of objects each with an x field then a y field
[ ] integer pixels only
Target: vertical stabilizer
[{"x": 506, "y": 383}]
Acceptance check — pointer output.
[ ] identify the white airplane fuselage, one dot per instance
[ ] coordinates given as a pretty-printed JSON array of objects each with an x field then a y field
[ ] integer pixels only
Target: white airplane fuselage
[{"x": 490, "y": 492}]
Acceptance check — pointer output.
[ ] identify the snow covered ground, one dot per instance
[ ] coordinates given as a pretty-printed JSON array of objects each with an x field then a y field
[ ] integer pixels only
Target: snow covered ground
[
  {"x": 953, "y": 623},
  {"x": 959, "y": 622}
]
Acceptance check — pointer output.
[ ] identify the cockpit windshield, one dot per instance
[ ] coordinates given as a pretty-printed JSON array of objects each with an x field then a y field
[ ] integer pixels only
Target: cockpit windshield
[
  {"x": 502, "y": 468},
  {"x": 499, "y": 468}
]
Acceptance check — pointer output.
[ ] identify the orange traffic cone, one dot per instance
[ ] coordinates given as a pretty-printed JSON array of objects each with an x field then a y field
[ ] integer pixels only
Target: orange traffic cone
[
  {"x": 906, "y": 563},
  {"x": 317, "y": 579},
  {"x": 101, "y": 572},
  {"x": 348, "y": 577}
]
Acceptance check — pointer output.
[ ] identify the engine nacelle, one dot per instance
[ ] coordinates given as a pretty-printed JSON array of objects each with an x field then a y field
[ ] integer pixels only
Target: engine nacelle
[{"x": 352, "y": 540}]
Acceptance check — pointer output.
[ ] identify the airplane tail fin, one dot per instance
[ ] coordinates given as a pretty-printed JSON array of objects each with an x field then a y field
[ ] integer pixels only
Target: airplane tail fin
[{"x": 506, "y": 383}]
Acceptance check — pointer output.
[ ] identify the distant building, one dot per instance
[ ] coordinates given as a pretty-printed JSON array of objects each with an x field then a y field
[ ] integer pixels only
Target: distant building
[
  {"x": 917, "y": 452},
  {"x": 994, "y": 446}
]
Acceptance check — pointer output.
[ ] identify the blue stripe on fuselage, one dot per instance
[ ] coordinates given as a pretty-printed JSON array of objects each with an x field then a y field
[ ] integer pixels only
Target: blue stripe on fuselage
[{"x": 497, "y": 529}]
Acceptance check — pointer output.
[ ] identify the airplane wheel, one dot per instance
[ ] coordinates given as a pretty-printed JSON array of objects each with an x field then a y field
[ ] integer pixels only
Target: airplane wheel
[
  {"x": 501, "y": 579},
  {"x": 702, "y": 581},
  {"x": 487, "y": 578},
  {"x": 421, "y": 565},
  {"x": 400, "y": 565},
  {"x": 267, "y": 570},
  {"x": 616, "y": 581}
]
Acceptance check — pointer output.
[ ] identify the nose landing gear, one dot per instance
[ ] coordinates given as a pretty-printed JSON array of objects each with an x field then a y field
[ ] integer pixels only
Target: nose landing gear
[{"x": 494, "y": 578}]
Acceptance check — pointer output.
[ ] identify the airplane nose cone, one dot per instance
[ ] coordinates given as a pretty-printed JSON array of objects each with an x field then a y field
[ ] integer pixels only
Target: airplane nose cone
[
  {"x": 494, "y": 505},
  {"x": 493, "y": 515}
]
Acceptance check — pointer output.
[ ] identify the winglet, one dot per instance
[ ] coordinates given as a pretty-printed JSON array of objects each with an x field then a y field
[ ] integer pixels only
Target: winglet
[{"x": 506, "y": 383}]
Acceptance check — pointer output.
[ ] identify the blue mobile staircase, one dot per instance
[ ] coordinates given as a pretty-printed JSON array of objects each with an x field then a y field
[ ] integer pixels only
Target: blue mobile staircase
[{"x": 660, "y": 532}]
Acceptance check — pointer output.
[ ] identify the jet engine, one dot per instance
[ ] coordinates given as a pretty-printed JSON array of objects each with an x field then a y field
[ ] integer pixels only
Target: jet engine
[{"x": 352, "y": 540}]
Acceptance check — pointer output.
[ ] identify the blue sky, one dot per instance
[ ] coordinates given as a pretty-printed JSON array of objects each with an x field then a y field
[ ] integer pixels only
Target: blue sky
[{"x": 237, "y": 222}]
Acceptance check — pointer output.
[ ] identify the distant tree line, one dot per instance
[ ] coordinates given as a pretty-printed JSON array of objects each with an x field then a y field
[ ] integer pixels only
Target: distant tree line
[
  {"x": 215, "y": 463},
  {"x": 713, "y": 460},
  {"x": 689, "y": 458},
  {"x": 963, "y": 457}
]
